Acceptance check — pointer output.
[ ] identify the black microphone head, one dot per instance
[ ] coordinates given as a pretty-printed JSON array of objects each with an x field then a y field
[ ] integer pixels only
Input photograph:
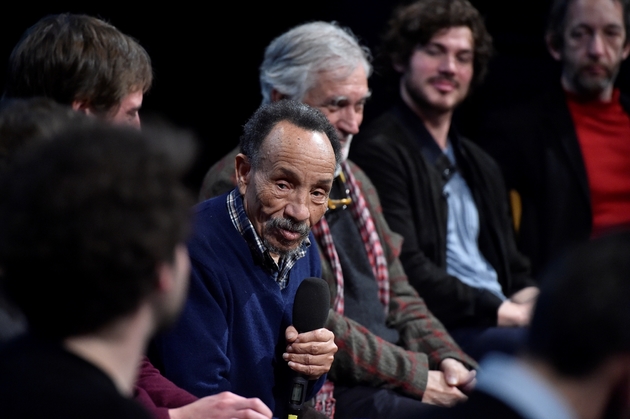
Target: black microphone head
[{"x": 311, "y": 305}]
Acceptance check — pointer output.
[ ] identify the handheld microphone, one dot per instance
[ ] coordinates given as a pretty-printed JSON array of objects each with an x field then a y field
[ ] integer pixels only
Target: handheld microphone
[{"x": 310, "y": 311}]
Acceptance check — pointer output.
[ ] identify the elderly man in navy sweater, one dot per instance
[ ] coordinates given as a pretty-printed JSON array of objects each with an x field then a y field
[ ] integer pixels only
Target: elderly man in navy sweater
[{"x": 250, "y": 252}]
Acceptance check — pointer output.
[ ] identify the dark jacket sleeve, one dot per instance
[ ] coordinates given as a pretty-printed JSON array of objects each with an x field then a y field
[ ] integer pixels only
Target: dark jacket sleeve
[
  {"x": 220, "y": 178},
  {"x": 412, "y": 204},
  {"x": 497, "y": 239}
]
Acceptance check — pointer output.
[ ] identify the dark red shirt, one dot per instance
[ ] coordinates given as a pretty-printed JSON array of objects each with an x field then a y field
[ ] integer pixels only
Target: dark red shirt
[{"x": 158, "y": 394}]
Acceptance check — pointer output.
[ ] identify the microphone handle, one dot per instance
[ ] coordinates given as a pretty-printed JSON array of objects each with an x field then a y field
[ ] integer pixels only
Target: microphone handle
[{"x": 298, "y": 395}]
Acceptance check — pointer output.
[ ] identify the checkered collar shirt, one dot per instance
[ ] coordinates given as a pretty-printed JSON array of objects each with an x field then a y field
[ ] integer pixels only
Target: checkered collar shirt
[{"x": 279, "y": 271}]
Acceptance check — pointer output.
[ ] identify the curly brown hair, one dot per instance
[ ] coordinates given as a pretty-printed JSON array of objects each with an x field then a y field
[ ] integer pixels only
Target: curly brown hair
[{"x": 415, "y": 24}]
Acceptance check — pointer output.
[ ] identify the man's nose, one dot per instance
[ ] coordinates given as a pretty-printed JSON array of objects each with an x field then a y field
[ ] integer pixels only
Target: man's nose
[
  {"x": 349, "y": 120},
  {"x": 135, "y": 122},
  {"x": 297, "y": 207},
  {"x": 448, "y": 64},
  {"x": 596, "y": 45}
]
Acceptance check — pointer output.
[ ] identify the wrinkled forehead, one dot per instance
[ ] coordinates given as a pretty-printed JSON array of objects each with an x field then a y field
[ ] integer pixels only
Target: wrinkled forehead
[
  {"x": 594, "y": 13},
  {"x": 293, "y": 144},
  {"x": 337, "y": 81},
  {"x": 459, "y": 37}
]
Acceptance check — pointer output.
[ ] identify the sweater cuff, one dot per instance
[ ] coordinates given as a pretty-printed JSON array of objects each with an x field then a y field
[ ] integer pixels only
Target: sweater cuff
[{"x": 488, "y": 306}]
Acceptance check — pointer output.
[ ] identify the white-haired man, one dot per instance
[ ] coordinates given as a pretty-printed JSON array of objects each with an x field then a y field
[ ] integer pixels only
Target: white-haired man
[{"x": 394, "y": 357}]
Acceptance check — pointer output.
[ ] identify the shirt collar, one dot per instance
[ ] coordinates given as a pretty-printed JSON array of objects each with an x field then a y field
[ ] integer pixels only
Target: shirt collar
[
  {"x": 416, "y": 129},
  {"x": 280, "y": 271},
  {"x": 507, "y": 379}
]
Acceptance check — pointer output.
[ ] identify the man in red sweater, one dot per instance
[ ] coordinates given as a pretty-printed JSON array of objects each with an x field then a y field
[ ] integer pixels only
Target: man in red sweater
[{"x": 567, "y": 152}]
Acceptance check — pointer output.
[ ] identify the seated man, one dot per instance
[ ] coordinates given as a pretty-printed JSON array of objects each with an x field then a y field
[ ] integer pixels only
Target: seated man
[
  {"x": 92, "y": 252},
  {"x": 565, "y": 150},
  {"x": 23, "y": 122},
  {"x": 443, "y": 194},
  {"x": 250, "y": 251},
  {"x": 395, "y": 358},
  {"x": 27, "y": 122},
  {"x": 82, "y": 62},
  {"x": 89, "y": 65},
  {"x": 562, "y": 373}
]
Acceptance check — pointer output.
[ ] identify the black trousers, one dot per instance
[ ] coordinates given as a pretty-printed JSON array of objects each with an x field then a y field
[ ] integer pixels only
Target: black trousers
[
  {"x": 375, "y": 403},
  {"x": 478, "y": 342}
]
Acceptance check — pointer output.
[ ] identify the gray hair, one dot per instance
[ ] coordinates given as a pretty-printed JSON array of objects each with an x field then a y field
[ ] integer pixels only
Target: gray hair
[
  {"x": 293, "y": 58},
  {"x": 268, "y": 115}
]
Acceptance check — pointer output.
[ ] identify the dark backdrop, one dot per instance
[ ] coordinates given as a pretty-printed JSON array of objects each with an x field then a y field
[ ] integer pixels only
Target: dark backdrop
[{"x": 206, "y": 64}]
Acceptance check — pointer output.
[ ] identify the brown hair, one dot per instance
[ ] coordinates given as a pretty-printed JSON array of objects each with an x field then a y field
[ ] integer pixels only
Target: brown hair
[
  {"x": 416, "y": 23},
  {"x": 70, "y": 57}
]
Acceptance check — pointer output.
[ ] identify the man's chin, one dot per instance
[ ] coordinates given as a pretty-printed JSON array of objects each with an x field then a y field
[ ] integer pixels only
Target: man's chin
[
  {"x": 344, "y": 142},
  {"x": 593, "y": 85},
  {"x": 282, "y": 249}
]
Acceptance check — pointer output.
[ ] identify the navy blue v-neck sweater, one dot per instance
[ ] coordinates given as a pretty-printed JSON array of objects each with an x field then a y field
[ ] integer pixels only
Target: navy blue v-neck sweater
[{"x": 230, "y": 336}]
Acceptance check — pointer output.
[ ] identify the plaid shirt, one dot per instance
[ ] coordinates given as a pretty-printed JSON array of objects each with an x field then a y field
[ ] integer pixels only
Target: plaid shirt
[{"x": 280, "y": 271}]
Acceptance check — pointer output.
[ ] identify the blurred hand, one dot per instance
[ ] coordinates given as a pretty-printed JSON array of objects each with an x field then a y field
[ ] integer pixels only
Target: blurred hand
[
  {"x": 513, "y": 314},
  {"x": 527, "y": 295},
  {"x": 224, "y": 405},
  {"x": 456, "y": 374},
  {"x": 440, "y": 393}
]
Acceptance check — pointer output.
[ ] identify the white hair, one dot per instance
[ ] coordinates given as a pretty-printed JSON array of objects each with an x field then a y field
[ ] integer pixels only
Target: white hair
[{"x": 292, "y": 59}]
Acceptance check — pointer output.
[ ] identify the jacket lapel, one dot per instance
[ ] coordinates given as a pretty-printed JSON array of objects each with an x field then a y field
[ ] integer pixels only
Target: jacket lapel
[{"x": 558, "y": 120}]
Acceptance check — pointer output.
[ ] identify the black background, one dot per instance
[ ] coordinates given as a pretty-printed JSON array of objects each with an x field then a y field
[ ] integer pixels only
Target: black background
[{"x": 206, "y": 56}]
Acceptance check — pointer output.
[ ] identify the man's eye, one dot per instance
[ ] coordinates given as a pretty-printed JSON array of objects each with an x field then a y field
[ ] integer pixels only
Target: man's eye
[
  {"x": 432, "y": 51},
  {"x": 578, "y": 34},
  {"x": 319, "y": 195},
  {"x": 612, "y": 33},
  {"x": 465, "y": 58}
]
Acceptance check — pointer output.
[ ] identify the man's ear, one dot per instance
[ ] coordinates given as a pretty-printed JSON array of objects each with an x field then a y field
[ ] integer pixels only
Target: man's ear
[
  {"x": 399, "y": 64},
  {"x": 243, "y": 170},
  {"x": 626, "y": 50},
  {"x": 400, "y": 68},
  {"x": 166, "y": 278},
  {"x": 167, "y": 272},
  {"x": 277, "y": 96},
  {"x": 82, "y": 106},
  {"x": 552, "y": 48}
]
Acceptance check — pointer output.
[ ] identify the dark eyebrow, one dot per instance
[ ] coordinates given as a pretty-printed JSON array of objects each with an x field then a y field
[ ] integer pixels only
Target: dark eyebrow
[
  {"x": 324, "y": 183},
  {"x": 336, "y": 99},
  {"x": 613, "y": 26},
  {"x": 292, "y": 175},
  {"x": 287, "y": 172},
  {"x": 583, "y": 25}
]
